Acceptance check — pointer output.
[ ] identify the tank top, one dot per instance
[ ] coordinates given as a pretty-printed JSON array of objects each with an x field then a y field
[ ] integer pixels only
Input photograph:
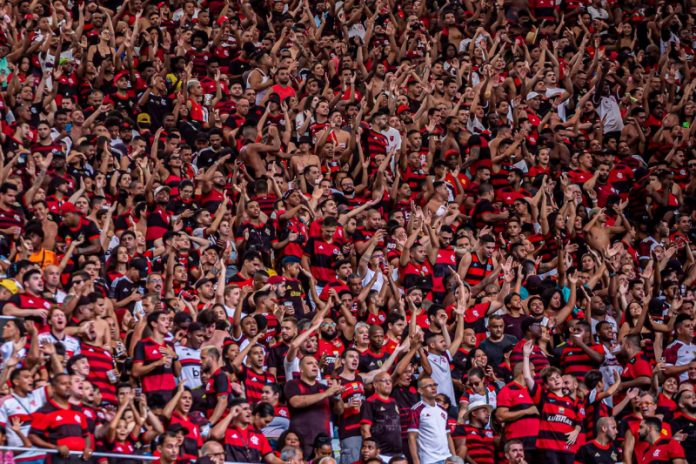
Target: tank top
[{"x": 261, "y": 93}]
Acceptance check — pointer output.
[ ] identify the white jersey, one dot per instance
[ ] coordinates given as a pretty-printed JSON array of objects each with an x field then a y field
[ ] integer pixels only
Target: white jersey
[
  {"x": 430, "y": 422},
  {"x": 71, "y": 344},
  {"x": 22, "y": 408},
  {"x": 442, "y": 374},
  {"x": 190, "y": 360}
]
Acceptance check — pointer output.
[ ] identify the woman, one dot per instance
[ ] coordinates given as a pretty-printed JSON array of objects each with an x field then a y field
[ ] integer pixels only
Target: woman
[
  {"x": 178, "y": 409},
  {"x": 117, "y": 265}
]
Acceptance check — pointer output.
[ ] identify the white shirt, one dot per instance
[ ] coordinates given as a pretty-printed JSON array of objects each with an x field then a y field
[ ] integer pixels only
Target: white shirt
[
  {"x": 71, "y": 344},
  {"x": 393, "y": 139},
  {"x": 23, "y": 408},
  {"x": 430, "y": 422},
  {"x": 190, "y": 360},
  {"x": 442, "y": 374},
  {"x": 678, "y": 354}
]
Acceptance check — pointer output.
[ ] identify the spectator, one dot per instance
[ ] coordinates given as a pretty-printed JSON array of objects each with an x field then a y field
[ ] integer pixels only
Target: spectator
[{"x": 426, "y": 439}]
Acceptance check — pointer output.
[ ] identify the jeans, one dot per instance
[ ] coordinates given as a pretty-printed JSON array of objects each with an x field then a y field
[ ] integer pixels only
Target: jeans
[{"x": 350, "y": 449}]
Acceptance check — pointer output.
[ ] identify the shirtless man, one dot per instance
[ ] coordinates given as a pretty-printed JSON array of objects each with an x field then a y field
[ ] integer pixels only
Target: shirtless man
[
  {"x": 303, "y": 157},
  {"x": 334, "y": 134}
]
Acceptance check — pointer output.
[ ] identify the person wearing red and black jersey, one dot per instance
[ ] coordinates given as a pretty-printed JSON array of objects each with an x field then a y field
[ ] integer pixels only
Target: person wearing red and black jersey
[
  {"x": 414, "y": 267},
  {"x": 579, "y": 356},
  {"x": 559, "y": 423},
  {"x": 601, "y": 450},
  {"x": 477, "y": 265},
  {"x": 242, "y": 442},
  {"x": 29, "y": 304},
  {"x": 218, "y": 388},
  {"x": 321, "y": 253},
  {"x": 661, "y": 449},
  {"x": 373, "y": 141},
  {"x": 155, "y": 362},
  {"x": 61, "y": 426},
  {"x": 252, "y": 374},
  {"x": 352, "y": 396},
  {"x": 158, "y": 216},
  {"x": 475, "y": 440},
  {"x": 376, "y": 355},
  {"x": 178, "y": 410},
  {"x": 76, "y": 228}
]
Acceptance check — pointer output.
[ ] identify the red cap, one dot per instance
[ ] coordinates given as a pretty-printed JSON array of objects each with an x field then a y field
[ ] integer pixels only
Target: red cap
[
  {"x": 451, "y": 152},
  {"x": 276, "y": 279},
  {"x": 68, "y": 208},
  {"x": 222, "y": 20},
  {"x": 402, "y": 108},
  {"x": 120, "y": 75}
]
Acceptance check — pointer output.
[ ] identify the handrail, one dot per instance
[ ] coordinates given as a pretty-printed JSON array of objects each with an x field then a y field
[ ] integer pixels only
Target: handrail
[{"x": 98, "y": 454}]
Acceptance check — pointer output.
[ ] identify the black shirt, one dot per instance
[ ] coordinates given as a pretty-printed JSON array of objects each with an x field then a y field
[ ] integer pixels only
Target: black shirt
[
  {"x": 687, "y": 425},
  {"x": 594, "y": 453},
  {"x": 384, "y": 418}
]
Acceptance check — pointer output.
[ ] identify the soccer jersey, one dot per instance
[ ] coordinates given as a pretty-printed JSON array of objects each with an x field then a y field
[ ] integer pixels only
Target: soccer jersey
[
  {"x": 22, "y": 408},
  {"x": 430, "y": 422},
  {"x": 190, "y": 360}
]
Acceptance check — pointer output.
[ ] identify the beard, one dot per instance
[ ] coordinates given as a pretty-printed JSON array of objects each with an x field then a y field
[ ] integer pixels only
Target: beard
[{"x": 329, "y": 335}]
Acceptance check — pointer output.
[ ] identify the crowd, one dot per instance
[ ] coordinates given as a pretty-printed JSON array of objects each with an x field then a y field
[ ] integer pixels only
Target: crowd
[{"x": 429, "y": 232}]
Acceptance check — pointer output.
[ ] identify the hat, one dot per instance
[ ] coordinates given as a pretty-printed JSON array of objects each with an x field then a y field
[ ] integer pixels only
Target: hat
[
  {"x": 474, "y": 405},
  {"x": 274, "y": 97},
  {"x": 9, "y": 285},
  {"x": 305, "y": 139},
  {"x": 162, "y": 187},
  {"x": 451, "y": 152},
  {"x": 532, "y": 95},
  {"x": 177, "y": 427},
  {"x": 203, "y": 281},
  {"x": 289, "y": 192},
  {"x": 65, "y": 61},
  {"x": 528, "y": 322},
  {"x": 275, "y": 280},
  {"x": 120, "y": 75},
  {"x": 143, "y": 118},
  {"x": 402, "y": 109},
  {"x": 68, "y": 208}
]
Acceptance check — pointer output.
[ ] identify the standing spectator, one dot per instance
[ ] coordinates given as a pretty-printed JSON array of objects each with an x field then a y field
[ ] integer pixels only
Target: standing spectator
[
  {"x": 61, "y": 426},
  {"x": 380, "y": 418},
  {"x": 474, "y": 439},
  {"x": 684, "y": 424},
  {"x": 155, "y": 361},
  {"x": 310, "y": 403},
  {"x": 429, "y": 438}
]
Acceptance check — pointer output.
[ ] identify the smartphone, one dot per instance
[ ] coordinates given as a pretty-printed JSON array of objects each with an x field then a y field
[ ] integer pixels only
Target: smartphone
[
  {"x": 138, "y": 392},
  {"x": 22, "y": 158}
]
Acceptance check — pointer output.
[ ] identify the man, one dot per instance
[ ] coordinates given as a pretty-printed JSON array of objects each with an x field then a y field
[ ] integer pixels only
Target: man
[
  {"x": 353, "y": 396},
  {"x": 213, "y": 451},
  {"x": 61, "y": 426},
  {"x": 474, "y": 441},
  {"x": 429, "y": 438},
  {"x": 684, "y": 424},
  {"x": 560, "y": 420},
  {"x": 57, "y": 322},
  {"x": 218, "y": 387},
  {"x": 242, "y": 442},
  {"x": 309, "y": 402},
  {"x": 21, "y": 405},
  {"x": 253, "y": 373},
  {"x": 661, "y": 449},
  {"x": 155, "y": 361},
  {"x": 682, "y": 351},
  {"x": 514, "y": 452},
  {"x": 441, "y": 349},
  {"x": 380, "y": 418},
  {"x": 580, "y": 355},
  {"x": 369, "y": 450},
  {"x": 168, "y": 448},
  {"x": 602, "y": 449},
  {"x": 375, "y": 356},
  {"x": 190, "y": 356},
  {"x": 498, "y": 342},
  {"x": 29, "y": 304},
  {"x": 638, "y": 371}
]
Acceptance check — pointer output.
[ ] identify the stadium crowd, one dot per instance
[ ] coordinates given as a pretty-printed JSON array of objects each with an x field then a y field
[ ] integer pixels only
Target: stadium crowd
[{"x": 432, "y": 232}]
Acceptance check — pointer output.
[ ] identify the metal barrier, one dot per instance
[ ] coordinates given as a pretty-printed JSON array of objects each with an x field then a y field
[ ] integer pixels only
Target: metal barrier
[{"x": 96, "y": 454}]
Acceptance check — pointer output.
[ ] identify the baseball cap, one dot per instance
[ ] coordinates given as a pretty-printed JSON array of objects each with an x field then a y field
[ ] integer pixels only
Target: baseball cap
[
  {"x": 9, "y": 285},
  {"x": 144, "y": 118},
  {"x": 68, "y": 208},
  {"x": 162, "y": 187},
  {"x": 532, "y": 95}
]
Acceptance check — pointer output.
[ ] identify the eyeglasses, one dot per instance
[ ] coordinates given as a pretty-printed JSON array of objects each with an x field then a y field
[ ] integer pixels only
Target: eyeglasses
[{"x": 430, "y": 385}]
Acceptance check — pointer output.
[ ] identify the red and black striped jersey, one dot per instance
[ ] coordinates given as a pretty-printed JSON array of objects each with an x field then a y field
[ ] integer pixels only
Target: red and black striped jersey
[
  {"x": 192, "y": 440},
  {"x": 575, "y": 362},
  {"x": 480, "y": 445},
  {"x": 349, "y": 422},
  {"x": 322, "y": 259},
  {"x": 374, "y": 143},
  {"x": 218, "y": 387},
  {"x": 100, "y": 363},
  {"x": 245, "y": 445},
  {"x": 478, "y": 270},
  {"x": 559, "y": 417},
  {"x": 160, "y": 379},
  {"x": 61, "y": 426},
  {"x": 254, "y": 382},
  {"x": 516, "y": 397},
  {"x": 594, "y": 410}
]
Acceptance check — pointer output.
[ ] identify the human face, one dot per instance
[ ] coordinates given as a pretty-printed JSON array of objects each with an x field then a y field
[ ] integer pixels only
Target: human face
[
  {"x": 368, "y": 450},
  {"x": 515, "y": 453},
  {"x": 309, "y": 367},
  {"x": 428, "y": 389},
  {"x": 554, "y": 382},
  {"x": 169, "y": 449}
]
